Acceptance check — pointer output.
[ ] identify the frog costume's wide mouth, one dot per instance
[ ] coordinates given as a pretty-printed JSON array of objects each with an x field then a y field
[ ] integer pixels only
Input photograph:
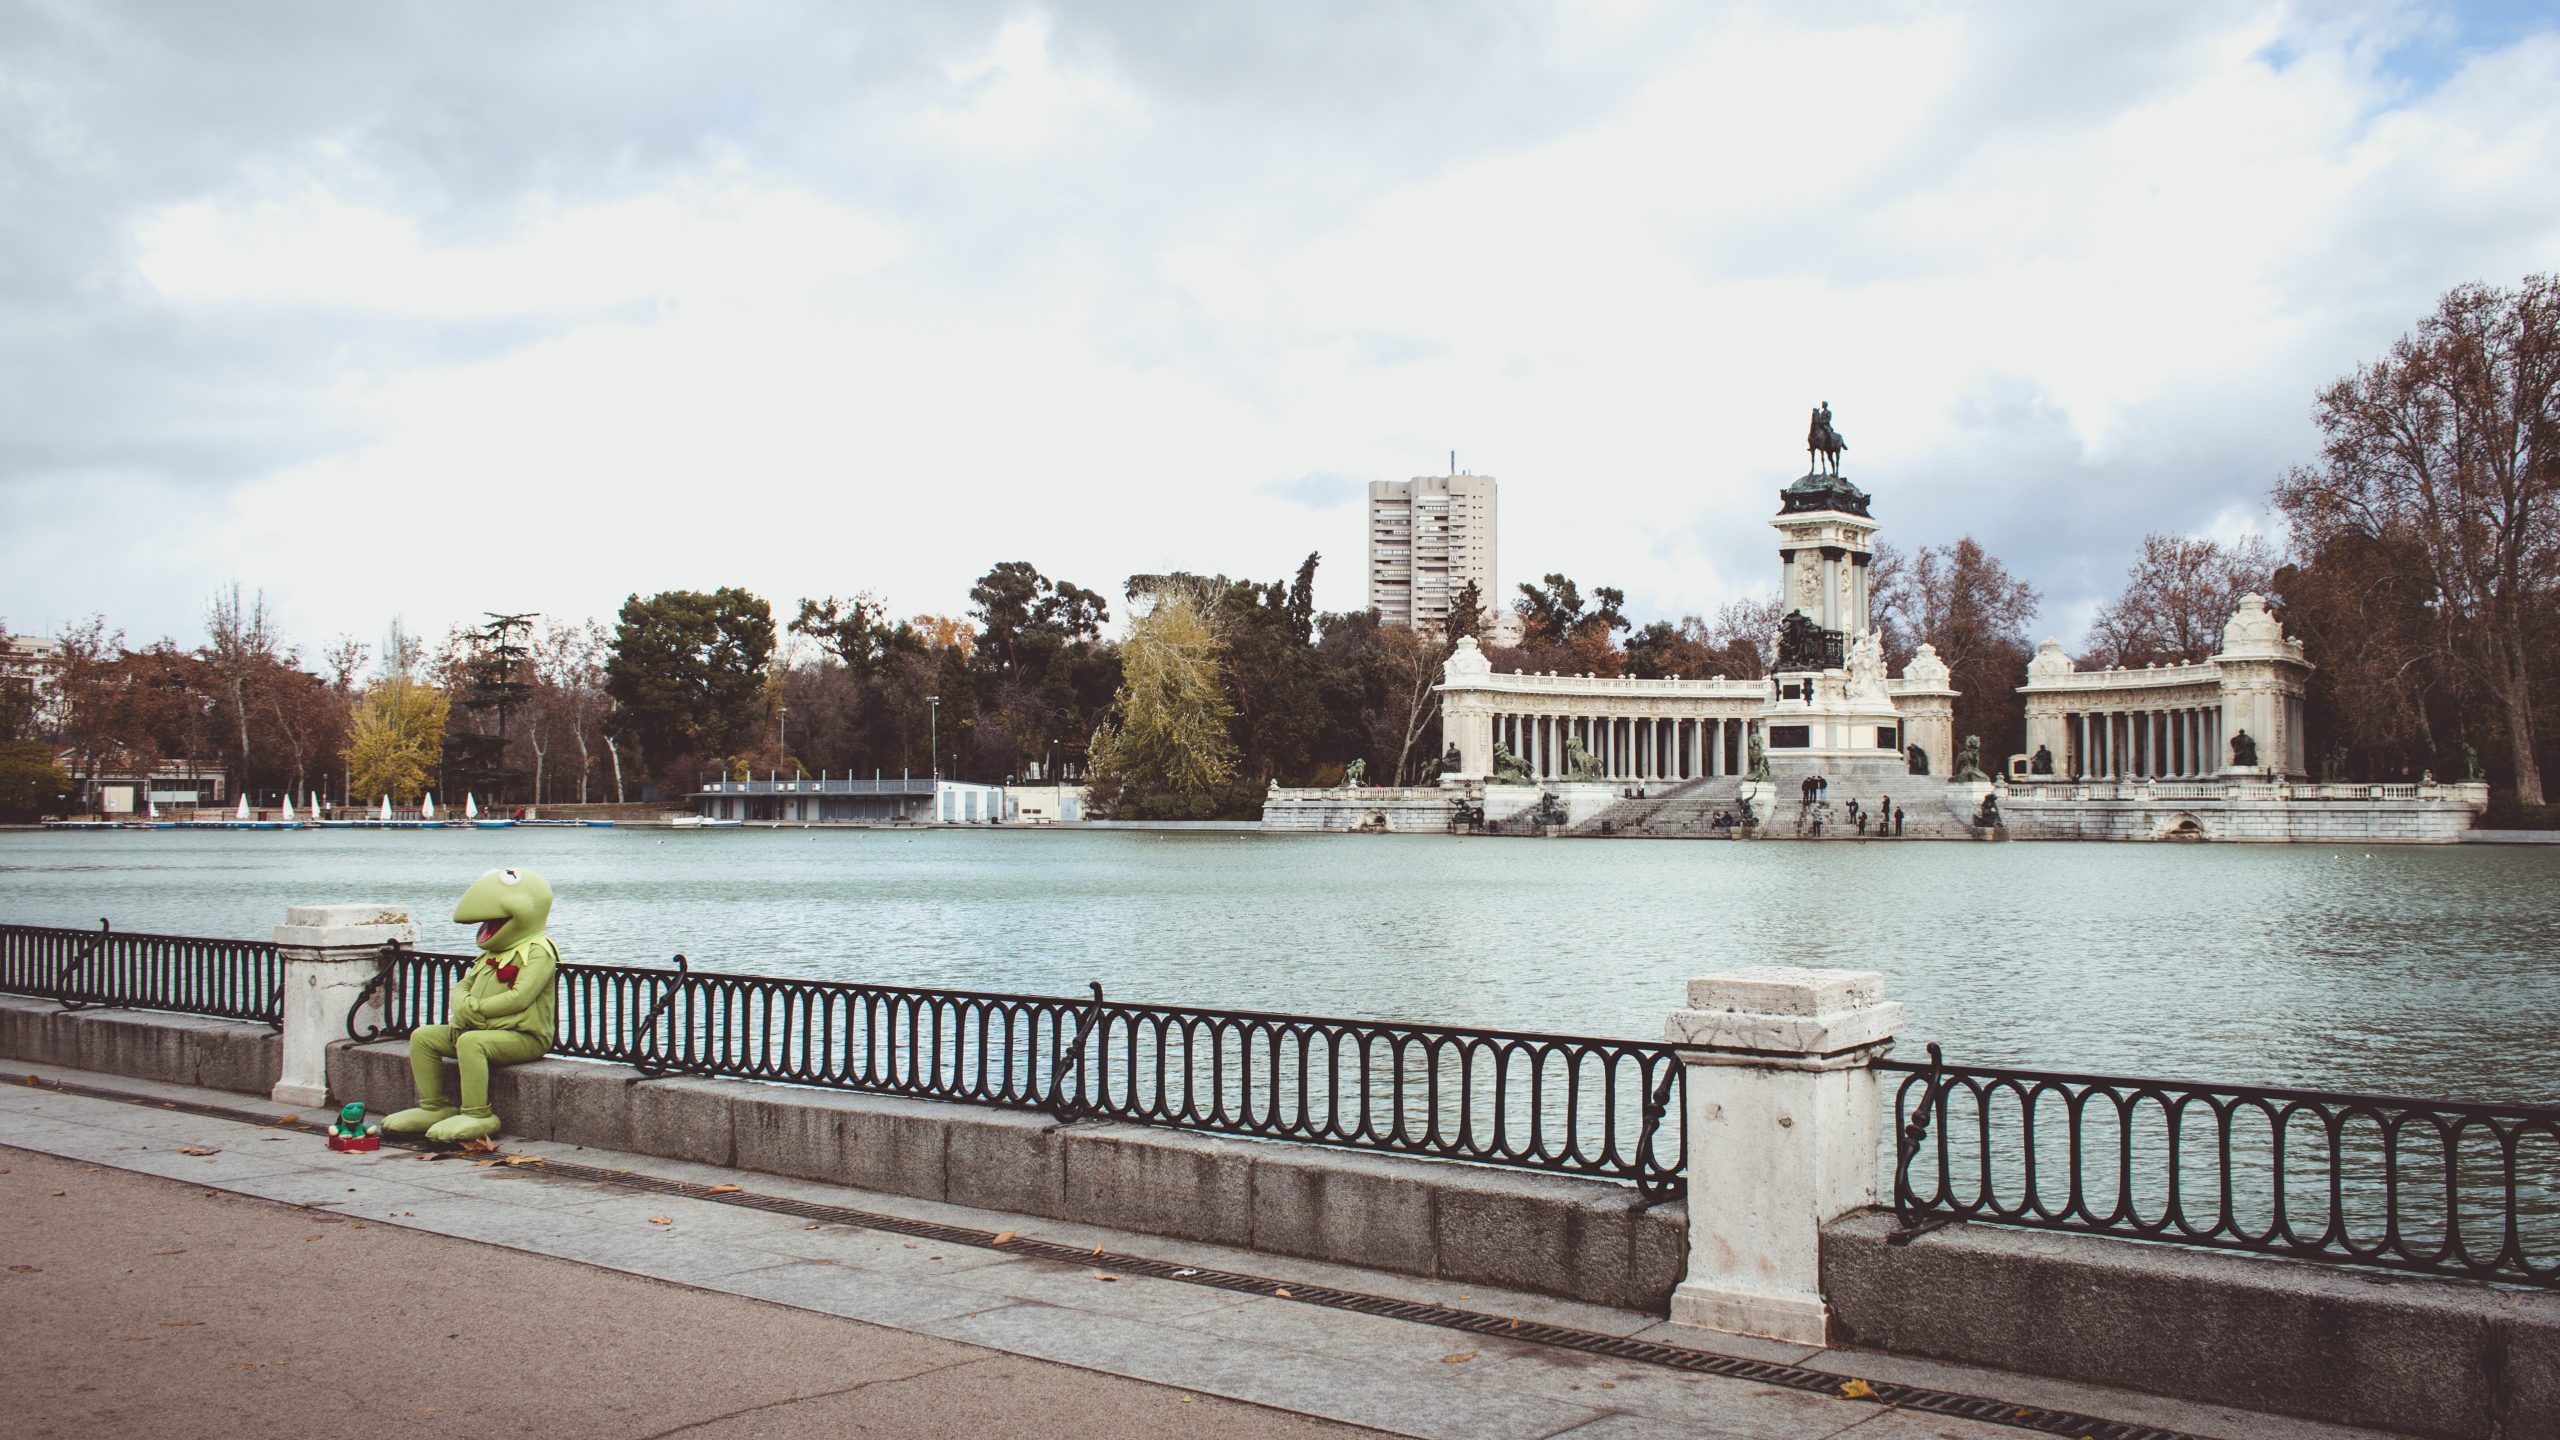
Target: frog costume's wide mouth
[{"x": 509, "y": 905}]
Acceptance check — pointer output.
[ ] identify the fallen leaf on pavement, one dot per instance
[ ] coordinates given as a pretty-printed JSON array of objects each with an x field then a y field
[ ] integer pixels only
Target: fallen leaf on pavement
[
  {"x": 812, "y": 1225},
  {"x": 522, "y": 1160},
  {"x": 1857, "y": 1390},
  {"x": 26, "y": 1270},
  {"x": 1283, "y": 1294},
  {"x": 1096, "y": 1249},
  {"x": 482, "y": 1146},
  {"x": 1104, "y": 1275},
  {"x": 662, "y": 1220},
  {"x": 724, "y": 1189},
  {"x": 1002, "y": 1236},
  {"x": 199, "y": 1149},
  {"x": 137, "y": 1337},
  {"x": 290, "y": 1120},
  {"x": 58, "y": 1194},
  {"x": 1461, "y": 1358}
]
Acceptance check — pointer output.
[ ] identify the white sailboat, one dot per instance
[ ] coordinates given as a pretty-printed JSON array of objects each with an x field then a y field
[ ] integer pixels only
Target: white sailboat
[
  {"x": 243, "y": 812},
  {"x": 427, "y": 806},
  {"x": 288, "y": 809},
  {"x": 470, "y": 806},
  {"x": 386, "y": 809}
]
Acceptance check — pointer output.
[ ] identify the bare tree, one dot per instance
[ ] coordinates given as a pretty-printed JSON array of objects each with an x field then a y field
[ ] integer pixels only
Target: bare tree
[
  {"x": 1745, "y": 635},
  {"x": 2177, "y": 597},
  {"x": 1411, "y": 662},
  {"x": 241, "y": 644},
  {"x": 2447, "y": 451},
  {"x": 1962, "y": 600}
]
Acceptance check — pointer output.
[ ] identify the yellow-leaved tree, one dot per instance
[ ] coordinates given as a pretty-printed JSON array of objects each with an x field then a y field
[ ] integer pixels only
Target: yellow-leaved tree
[
  {"x": 398, "y": 734},
  {"x": 1163, "y": 753}
]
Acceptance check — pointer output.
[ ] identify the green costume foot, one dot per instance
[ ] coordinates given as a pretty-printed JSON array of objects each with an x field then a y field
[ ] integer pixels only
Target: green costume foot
[
  {"x": 419, "y": 1120},
  {"x": 469, "y": 1125}
]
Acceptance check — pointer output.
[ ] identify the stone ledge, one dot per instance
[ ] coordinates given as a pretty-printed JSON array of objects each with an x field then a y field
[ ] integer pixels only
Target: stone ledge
[
  {"x": 236, "y": 1055},
  {"x": 2439, "y": 1358},
  {"x": 1581, "y": 1239}
]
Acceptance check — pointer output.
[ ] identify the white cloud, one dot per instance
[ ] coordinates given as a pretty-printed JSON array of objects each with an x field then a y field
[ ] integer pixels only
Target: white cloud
[
  {"x": 701, "y": 242},
  {"x": 1035, "y": 309},
  {"x": 1015, "y": 98}
]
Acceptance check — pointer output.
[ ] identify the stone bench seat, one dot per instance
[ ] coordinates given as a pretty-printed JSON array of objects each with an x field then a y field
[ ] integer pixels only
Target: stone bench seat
[{"x": 1582, "y": 1239}]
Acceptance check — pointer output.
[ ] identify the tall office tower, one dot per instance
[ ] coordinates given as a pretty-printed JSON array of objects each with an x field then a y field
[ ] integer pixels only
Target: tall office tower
[{"x": 1428, "y": 537}]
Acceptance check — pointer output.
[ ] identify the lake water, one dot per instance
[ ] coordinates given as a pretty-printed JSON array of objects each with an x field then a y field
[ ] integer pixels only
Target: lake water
[{"x": 2427, "y": 970}]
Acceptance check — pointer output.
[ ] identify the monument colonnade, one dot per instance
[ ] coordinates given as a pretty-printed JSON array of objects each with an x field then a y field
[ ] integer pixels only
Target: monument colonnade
[
  {"x": 1651, "y": 730},
  {"x": 2172, "y": 722},
  {"x": 1626, "y": 747},
  {"x": 2155, "y": 740}
]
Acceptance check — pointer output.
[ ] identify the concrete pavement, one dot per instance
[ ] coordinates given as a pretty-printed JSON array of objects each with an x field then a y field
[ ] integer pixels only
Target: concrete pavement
[
  {"x": 728, "y": 1320},
  {"x": 135, "y": 1304}
]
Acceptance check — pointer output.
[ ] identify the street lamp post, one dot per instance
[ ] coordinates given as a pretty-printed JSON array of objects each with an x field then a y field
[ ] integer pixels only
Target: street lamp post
[
  {"x": 936, "y": 741},
  {"x": 782, "y": 735}
]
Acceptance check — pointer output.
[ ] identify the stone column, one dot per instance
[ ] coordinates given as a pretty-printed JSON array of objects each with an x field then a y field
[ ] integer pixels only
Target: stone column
[
  {"x": 329, "y": 952},
  {"x": 1783, "y": 1121}
]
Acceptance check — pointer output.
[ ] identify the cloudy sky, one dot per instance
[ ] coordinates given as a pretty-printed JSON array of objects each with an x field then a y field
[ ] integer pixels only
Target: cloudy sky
[{"x": 433, "y": 309}]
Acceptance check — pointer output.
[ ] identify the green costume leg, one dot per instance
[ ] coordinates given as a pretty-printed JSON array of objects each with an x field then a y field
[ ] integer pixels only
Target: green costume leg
[
  {"x": 477, "y": 1050},
  {"x": 428, "y": 1047}
]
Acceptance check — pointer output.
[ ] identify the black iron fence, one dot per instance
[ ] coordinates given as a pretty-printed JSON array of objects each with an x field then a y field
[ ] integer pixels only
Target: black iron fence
[
  {"x": 2420, "y": 1185},
  {"x": 1607, "y": 1109},
  {"x": 2433, "y": 1186},
  {"x": 192, "y": 974}
]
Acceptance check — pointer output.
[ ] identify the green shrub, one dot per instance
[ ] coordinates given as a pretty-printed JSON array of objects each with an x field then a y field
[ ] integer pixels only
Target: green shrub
[
  {"x": 2506, "y": 812},
  {"x": 31, "y": 785}
]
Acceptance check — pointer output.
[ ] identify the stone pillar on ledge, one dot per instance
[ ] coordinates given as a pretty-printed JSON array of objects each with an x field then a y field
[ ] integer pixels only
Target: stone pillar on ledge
[
  {"x": 329, "y": 952},
  {"x": 1783, "y": 1121}
]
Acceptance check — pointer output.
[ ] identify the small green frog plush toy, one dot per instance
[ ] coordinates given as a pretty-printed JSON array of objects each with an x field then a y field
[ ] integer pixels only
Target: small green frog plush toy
[
  {"x": 504, "y": 1008},
  {"x": 348, "y": 1132}
]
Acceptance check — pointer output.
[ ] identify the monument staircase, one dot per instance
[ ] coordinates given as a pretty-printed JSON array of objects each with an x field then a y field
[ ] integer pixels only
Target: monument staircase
[
  {"x": 1681, "y": 808},
  {"x": 1687, "y": 810},
  {"x": 1930, "y": 815}
]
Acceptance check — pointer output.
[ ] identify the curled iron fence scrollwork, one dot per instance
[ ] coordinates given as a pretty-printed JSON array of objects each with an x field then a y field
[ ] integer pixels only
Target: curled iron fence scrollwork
[
  {"x": 2429, "y": 1186},
  {"x": 1606, "y": 1109},
  {"x": 106, "y": 967}
]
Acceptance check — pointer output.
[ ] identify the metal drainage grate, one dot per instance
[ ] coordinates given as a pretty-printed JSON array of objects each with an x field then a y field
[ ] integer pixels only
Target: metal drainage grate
[{"x": 1536, "y": 1332}]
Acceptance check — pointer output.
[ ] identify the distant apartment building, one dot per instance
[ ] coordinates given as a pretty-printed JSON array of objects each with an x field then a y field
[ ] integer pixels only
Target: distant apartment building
[{"x": 1428, "y": 537}]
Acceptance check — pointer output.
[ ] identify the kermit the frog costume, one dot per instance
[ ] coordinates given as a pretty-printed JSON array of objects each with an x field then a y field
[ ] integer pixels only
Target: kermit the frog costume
[{"x": 503, "y": 1007}]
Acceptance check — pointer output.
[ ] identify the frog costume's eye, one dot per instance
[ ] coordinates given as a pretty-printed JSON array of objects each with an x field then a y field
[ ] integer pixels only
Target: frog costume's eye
[{"x": 510, "y": 877}]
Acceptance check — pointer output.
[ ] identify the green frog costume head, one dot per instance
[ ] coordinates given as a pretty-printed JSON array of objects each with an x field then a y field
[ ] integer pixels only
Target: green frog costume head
[
  {"x": 509, "y": 906},
  {"x": 503, "y": 1007}
]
